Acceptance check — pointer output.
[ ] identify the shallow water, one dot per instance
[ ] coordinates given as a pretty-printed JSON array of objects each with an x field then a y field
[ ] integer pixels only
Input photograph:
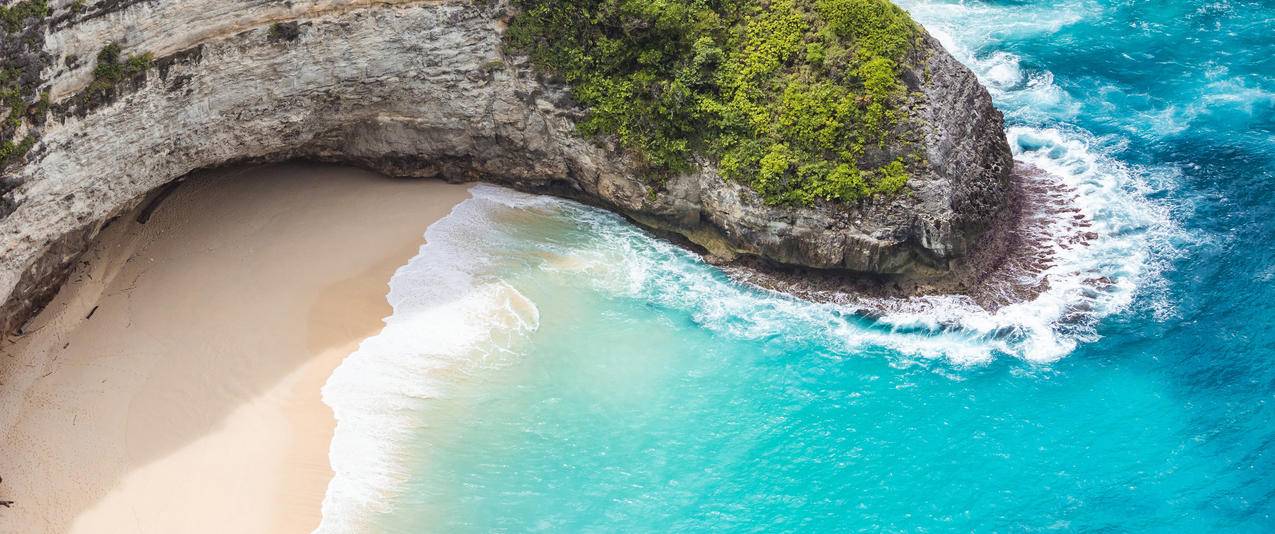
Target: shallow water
[{"x": 550, "y": 367}]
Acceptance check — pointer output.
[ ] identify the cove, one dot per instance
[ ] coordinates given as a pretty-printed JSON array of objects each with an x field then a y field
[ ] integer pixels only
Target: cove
[{"x": 619, "y": 383}]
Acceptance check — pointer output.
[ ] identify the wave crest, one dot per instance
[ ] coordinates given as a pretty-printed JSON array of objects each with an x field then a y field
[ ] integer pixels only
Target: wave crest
[{"x": 451, "y": 318}]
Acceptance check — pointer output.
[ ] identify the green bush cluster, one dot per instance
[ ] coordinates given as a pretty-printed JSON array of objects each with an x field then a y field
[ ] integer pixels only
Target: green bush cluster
[
  {"x": 14, "y": 93},
  {"x": 112, "y": 68},
  {"x": 12, "y": 16},
  {"x": 14, "y": 102},
  {"x": 10, "y": 150},
  {"x": 284, "y": 31},
  {"x": 783, "y": 95}
]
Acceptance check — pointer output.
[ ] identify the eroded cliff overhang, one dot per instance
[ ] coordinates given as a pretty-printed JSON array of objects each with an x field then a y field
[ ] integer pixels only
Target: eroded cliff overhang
[{"x": 423, "y": 89}]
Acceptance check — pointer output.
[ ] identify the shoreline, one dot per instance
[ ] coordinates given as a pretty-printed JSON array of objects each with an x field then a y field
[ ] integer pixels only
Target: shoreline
[
  {"x": 356, "y": 227},
  {"x": 174, "y": 382}
]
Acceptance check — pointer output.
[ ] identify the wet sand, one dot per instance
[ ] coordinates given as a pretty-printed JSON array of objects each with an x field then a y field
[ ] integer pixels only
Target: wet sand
[{"x": 173, "y": 384}]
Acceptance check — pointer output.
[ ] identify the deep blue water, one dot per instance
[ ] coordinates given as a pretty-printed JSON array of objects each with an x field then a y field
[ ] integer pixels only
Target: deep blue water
[{"x": 549, "y": 367}]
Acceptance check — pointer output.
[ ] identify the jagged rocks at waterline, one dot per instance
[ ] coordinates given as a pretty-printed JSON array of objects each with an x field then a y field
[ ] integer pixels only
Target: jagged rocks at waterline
[{"x": 426, "y": 89}]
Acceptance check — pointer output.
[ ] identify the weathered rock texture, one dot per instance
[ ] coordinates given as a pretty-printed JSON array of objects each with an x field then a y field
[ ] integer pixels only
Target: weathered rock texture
[{"x": 424, "y": 89}]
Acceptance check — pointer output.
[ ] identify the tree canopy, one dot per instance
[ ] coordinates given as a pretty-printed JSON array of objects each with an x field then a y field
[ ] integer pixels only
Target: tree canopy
[{"x": 783, "y": 95}]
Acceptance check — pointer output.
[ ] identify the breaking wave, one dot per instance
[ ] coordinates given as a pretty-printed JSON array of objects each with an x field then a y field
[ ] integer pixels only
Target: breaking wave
[
  {"x": 451, "y": 318},
  {"x": 457, "y": 309}
]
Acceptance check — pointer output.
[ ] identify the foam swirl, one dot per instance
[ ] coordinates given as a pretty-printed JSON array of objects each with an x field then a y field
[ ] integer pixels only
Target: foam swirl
[{"x": 452, "y": 317}]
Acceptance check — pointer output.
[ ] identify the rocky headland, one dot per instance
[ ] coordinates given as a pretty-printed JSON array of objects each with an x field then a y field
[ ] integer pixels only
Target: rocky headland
[{"x": 110, "y": 101}]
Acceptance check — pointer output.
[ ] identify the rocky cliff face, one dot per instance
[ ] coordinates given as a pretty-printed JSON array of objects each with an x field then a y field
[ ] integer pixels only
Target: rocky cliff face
[{"x": 424, "y": 89}]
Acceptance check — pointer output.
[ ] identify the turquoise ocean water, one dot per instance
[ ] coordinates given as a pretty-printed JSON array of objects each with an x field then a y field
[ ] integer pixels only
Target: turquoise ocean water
[{"x": 550, "y": 367}]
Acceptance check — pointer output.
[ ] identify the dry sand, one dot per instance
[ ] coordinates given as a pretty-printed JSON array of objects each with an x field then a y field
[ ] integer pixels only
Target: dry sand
[{"x": 189, "y": 400}]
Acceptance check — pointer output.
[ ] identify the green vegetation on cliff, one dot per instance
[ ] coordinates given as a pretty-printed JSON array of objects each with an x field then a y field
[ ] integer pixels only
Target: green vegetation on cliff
[
  {"x": 20, "y": 64},
  {"x": 783, "y": 95},
  {"x": 13, "y": 16},
  {"x": 112, "y": 68}
]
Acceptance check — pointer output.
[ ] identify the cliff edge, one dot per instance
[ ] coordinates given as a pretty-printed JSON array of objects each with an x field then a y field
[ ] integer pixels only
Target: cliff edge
[{"x": 107, "y": 102}]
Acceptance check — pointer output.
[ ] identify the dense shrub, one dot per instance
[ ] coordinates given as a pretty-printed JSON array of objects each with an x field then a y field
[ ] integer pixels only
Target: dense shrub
[
  {"x": 784, "y": 95},
  {"x": 112, "y": 68}
]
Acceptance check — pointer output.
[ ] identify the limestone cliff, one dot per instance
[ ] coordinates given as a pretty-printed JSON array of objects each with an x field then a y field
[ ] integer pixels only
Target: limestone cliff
[{"x": 423, "y": 89}]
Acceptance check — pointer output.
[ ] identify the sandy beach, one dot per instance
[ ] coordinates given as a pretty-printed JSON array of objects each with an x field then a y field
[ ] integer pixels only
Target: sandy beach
[{"x": 173, "y": 385}]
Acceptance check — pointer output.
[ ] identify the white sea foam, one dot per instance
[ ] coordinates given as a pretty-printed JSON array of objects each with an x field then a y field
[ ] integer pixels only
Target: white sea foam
[
  {"x": 1086, "y": 282},
  {"x": 451, "y": 318},
  {"x": 966, "y": 28},
  {"x": 454, "y": 315},
  {"x": 1134, "y": 235}
]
